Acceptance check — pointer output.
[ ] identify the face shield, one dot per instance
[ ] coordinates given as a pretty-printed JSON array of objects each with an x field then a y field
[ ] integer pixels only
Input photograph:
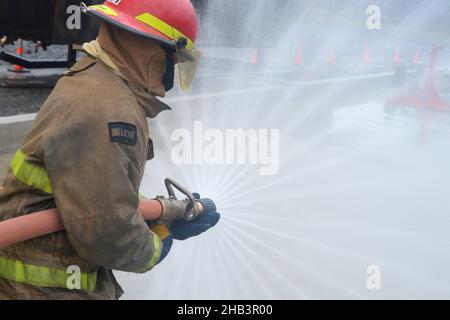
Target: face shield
[{"x": 187, "y": 60}]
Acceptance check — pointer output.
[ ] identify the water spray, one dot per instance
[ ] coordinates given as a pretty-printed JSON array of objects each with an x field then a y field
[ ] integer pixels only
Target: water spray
[{"x": 159, "y": 210}]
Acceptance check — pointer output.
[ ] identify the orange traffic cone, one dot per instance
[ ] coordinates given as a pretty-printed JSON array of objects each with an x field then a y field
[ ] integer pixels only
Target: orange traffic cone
[
  {"x": 427, "y": 96},
  {"x": 366, "y": 54},
  {"x": 331, "y": 58},
  {"x": 417, "y": 56},
  {"x": 299, "y": 56},
  {"x": 254, "y": 56},
  {"x": 396, "y": 59},
  {"x": 19, "y": 51}
]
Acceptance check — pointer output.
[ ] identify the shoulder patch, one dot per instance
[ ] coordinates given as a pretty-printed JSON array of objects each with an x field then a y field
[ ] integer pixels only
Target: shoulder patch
[{"x": 122, "y": 132}]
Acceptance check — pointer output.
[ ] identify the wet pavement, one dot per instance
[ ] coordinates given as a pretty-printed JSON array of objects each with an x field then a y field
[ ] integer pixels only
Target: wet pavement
[{"x": 361, "y": 184}]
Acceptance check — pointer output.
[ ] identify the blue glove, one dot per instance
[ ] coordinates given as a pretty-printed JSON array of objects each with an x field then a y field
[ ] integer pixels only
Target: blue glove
[
  {"x": 163, "y": 232},
  {"x": 167, "y": 244},
  {"x": 182, "y": 229}
]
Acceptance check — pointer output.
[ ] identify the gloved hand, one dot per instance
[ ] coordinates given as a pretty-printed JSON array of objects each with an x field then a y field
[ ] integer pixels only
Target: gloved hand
[{"x": 182, "y": 229}]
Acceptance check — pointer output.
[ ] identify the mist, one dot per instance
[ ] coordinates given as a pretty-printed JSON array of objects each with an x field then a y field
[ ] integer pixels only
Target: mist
[{"x": 362, "y": 145}]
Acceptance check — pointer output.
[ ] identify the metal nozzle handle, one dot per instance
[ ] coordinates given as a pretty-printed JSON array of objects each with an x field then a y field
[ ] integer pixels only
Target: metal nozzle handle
[{"x": 193, "y": 209}]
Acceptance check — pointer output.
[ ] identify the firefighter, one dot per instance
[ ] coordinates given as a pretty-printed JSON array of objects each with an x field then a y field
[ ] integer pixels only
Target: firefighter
[{"x": 85, "y": 154}]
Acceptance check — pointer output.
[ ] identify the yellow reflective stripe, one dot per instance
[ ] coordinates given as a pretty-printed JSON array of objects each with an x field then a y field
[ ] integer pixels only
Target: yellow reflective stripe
[
  {"x": 142, "y": 196},
  {"x": 16, "y": 270},
  {"x": 30, "y": 174},
  {"x": 104, "y": 9},
  {"x": 156, "y": 254},
  {"x": 164, "y": 28}
]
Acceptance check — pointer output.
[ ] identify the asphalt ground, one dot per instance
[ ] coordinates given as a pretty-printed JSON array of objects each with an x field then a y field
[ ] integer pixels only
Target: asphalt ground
[
  {"x": 15, "y": 101},
  {"x": 19, "y": 101}
]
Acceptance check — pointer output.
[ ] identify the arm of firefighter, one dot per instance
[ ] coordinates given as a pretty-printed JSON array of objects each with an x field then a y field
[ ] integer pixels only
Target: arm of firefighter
[{"x": 95, "y": 181}]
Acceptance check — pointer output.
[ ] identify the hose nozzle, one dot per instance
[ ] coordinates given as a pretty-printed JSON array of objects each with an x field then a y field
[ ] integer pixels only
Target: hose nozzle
[{"x": 188, "y": 209}]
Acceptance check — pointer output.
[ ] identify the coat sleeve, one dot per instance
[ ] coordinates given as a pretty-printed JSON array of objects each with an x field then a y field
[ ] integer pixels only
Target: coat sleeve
[{"x": 95, "y": 184}]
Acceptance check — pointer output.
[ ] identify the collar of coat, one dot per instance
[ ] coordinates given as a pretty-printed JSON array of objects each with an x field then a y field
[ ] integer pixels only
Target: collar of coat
[{"x": 151, "y": 105}]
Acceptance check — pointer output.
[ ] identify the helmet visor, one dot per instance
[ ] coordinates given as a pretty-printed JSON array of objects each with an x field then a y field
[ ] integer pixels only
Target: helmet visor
[{"x": 186, "y": 67}]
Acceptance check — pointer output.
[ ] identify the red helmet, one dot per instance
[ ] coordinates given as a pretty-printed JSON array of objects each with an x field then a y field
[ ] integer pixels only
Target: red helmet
[{"x": 163, "y": 20}]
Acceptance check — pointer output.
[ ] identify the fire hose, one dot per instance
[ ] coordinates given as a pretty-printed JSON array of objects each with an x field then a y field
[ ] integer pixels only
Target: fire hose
[{"x": 161, "y": 210}]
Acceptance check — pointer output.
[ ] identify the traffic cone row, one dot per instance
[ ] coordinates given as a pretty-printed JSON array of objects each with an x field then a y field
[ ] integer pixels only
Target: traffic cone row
[{"x": 331, "y": 57}]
